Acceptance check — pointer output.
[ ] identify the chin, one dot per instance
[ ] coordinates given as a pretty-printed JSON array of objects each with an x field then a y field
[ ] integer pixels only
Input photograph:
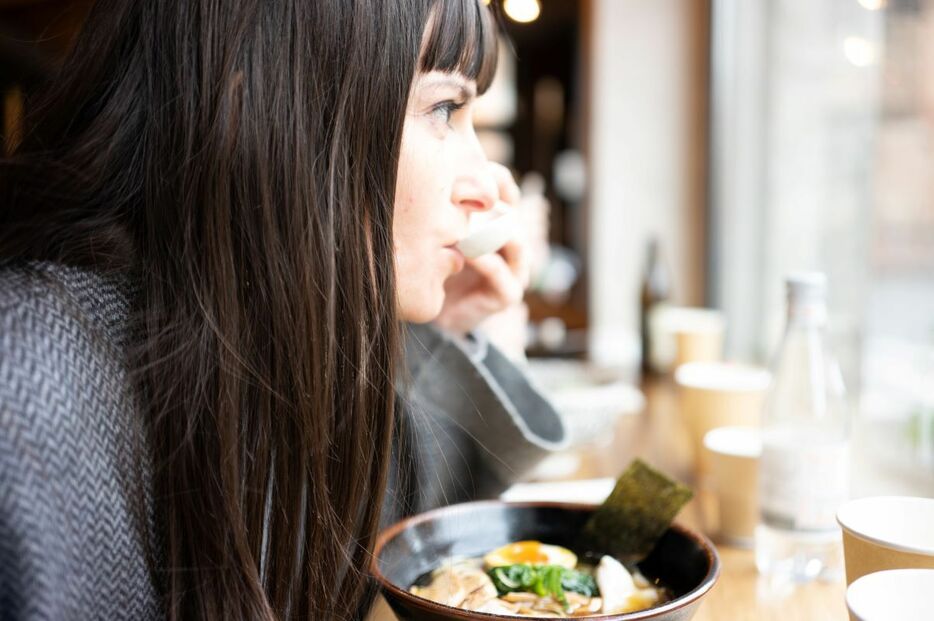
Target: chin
[{"x": 423, "y": 310}]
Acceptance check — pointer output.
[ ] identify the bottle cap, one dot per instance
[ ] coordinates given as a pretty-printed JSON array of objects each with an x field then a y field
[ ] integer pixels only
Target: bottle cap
[
  {"x": 807, "y": 292},
  {"x": 806, "y": 285}
]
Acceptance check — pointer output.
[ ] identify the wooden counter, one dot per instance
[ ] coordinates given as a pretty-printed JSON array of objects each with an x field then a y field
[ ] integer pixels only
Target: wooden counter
[
  {"x": 741, "y": 594},
  {"x": 658, "y": 436}
]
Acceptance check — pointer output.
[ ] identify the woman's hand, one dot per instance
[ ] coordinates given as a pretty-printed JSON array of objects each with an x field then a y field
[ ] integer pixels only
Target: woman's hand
[{"x": 493, "y": 282}]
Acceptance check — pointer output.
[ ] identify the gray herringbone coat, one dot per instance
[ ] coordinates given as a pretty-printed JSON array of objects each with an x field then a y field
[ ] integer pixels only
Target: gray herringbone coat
[{"x": 77, "y": 536}]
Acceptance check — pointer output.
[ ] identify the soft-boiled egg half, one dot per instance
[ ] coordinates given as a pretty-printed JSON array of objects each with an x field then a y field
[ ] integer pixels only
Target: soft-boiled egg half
[{"x": 531, "y": 553}]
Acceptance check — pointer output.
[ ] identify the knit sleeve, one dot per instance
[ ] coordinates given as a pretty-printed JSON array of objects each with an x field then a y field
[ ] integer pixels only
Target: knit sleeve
[
  {"x": 71, "y": 530},
  {"x": 30, "y": 586},
  {"x": 478, "y": 422}
]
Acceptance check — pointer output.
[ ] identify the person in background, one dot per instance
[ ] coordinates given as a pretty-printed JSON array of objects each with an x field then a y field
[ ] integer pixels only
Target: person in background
[{"x": 223, "y": 241}]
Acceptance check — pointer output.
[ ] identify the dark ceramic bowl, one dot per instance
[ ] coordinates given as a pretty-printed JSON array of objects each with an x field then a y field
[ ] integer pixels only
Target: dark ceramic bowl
[{"x": 684, "y": 561}]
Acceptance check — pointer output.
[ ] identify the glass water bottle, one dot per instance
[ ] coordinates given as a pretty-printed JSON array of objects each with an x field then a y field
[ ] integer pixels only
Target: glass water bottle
[{"x": 804, "y": 470}]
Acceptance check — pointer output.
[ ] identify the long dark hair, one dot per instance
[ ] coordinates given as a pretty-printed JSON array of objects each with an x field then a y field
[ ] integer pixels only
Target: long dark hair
[{"x": 239, "y": 160}]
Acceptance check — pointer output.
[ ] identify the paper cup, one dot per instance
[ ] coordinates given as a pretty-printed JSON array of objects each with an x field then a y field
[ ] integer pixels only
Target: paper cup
[
  {"x": 887, "y": 532},
  {"x": 489, "y": 231},
  {"x": 893, "y": 594},
  {"x": 681, "y": 334},
  {"x": 733, "y": 454},
  {"x": 715, "y": 395},
  {"x": 699, "y": 336}
]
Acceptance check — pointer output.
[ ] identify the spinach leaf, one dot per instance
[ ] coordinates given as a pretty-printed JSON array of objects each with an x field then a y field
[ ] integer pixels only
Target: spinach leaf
[
  {"x": 520, "y": 577},
  {"x": 579, "y": 582},
  {"x": 543, "y": 580}
]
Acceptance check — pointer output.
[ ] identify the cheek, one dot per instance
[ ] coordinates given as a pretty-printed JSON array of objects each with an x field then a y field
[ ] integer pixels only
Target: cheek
[
  {"x": 424, "y": 168},
  {"x": 419, "y": 283},
  {"x": 419, "y": 264},
  {"x": 419, "y": 227},
  {"x": 410, "y": 231},
  {"x": 422, "y": 194},
  {"x": 417, "y": 231}
]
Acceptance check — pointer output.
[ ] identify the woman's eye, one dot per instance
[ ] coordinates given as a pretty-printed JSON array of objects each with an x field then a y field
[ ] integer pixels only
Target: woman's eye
[{"x": 444, "y": 110}]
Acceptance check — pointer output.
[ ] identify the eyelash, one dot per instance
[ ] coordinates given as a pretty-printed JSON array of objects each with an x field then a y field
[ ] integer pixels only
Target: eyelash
[{"x": 447, "y": 108}]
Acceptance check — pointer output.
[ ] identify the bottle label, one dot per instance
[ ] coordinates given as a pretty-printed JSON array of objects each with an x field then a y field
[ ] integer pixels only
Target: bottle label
[{"x": 802, "y": 486}]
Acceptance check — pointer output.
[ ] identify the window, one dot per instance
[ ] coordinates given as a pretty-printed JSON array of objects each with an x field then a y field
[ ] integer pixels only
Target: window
[{"x": 823, "y": 158}]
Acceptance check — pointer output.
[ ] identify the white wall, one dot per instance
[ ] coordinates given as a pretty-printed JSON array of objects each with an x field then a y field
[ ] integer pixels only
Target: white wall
[{"x": 645, "y": 171}]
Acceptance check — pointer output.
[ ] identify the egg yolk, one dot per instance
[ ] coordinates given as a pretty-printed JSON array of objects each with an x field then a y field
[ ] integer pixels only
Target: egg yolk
[{"x": 525, "y": 552}]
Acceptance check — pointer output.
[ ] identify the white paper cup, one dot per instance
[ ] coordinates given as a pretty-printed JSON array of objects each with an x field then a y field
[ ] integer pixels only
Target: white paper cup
[
  {"x": 489, "y": 231},
  {"x": 733, "y": 454},
  {"x": 887, "y": 532},
  {"x": 893, "y": 594},
  {"x": 714, "y": 394}
]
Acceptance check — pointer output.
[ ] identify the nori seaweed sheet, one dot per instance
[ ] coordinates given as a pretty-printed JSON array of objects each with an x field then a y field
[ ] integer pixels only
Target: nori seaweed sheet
[{"x": 636, "y": 514}]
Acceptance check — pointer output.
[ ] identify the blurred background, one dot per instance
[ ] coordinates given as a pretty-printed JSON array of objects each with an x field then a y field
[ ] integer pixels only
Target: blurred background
[{"x": 694, "y": 152}]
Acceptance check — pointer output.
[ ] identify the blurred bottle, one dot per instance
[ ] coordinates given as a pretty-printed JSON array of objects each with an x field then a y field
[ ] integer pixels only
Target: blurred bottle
[
  {"x": 804, "y": 469},
  {"x": 922, "y": 424},
  {"x": 656, "y": 288}
]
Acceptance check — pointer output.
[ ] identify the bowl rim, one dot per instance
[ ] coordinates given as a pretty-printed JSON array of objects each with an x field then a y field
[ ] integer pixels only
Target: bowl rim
[{"x": 389, "y": 533}]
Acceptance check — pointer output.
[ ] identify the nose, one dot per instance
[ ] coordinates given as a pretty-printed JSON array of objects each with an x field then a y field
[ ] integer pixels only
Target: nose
[{"x": 475, "y": 189}]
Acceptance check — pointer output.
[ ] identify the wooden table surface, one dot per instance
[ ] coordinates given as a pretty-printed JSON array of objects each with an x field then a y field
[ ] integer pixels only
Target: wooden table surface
[{"x": 658, "y": 436}]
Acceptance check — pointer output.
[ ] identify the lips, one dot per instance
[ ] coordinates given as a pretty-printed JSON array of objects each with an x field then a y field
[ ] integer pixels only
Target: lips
[{"x": 457, "y": 257}]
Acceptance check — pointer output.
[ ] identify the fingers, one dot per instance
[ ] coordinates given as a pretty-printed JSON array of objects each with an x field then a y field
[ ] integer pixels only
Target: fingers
[
  {"x": 516, "y": 256},
  {"x": 505, "y": 273},
  {"x": 508, "y": 189},
  {"x": 499, "y": 279},
  {"x": 514, "y": 253}
]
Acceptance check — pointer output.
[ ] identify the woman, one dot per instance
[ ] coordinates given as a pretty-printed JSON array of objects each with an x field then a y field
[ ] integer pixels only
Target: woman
[{"x": 210, "y": 236}]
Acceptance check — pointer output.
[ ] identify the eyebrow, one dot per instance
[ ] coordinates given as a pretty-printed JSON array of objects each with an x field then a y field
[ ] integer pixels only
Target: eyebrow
[{"x": 465, "y": 90}]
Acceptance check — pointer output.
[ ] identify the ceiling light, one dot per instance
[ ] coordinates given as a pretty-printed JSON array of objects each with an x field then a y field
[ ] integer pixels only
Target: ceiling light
[{"x": 522, "y": 11}]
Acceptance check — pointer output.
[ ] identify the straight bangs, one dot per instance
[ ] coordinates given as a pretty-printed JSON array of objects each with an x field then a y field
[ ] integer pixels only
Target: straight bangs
[{"x": 461, "y": 38}]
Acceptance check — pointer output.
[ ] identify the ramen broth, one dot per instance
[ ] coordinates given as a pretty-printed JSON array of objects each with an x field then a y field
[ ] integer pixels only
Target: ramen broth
[{"x": 531, "y": 579}]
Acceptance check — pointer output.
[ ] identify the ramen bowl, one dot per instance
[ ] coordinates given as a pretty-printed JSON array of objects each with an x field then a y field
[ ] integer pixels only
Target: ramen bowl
[{"x": 684, "y": 561}]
